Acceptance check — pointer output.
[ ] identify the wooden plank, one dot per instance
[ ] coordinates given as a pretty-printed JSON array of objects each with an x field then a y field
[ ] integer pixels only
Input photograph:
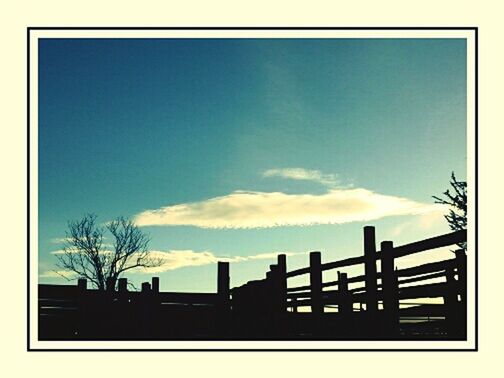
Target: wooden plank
[
  {"x": 424, "y": 291},
  {"x": 424, "y": 310},
  {"x": 299, "y": 288},
  {"x": 427, "y": 268},
  {"x": 298, "y": 272},
  {"x": 400, "y": 251},
  {"x": 302, "y": 303},
  {"x": 354, "y": 279},
  {"x": 343, "y": 263},
  {"x": 305, "y": 294},
  {"x": 423, "y": 277},
  {"x": 431, "y": 243}
]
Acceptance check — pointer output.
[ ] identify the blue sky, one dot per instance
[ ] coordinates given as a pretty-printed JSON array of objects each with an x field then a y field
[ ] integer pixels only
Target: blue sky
[{"x": 242, "y": 148}]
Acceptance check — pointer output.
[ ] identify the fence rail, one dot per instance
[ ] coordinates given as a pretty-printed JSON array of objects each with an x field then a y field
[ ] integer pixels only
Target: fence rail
[
  {"x": 374, "y": 309},
  {"x": 385, "y": 303}
]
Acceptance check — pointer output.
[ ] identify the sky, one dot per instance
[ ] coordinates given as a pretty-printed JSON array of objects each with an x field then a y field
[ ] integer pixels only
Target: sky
[{"x": 239, "y": 149}]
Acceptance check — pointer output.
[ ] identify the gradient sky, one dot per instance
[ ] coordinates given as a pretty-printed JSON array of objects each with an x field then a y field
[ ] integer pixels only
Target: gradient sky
[{"x": 319, "y": 136}]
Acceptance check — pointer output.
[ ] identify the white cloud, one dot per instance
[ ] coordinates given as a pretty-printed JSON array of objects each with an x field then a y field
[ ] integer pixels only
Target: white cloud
[
  {"x": 302, "y": 174},
  {"x": 58, "y": 274},
  {"x": 59, "y": 240},
  {"x": 175, "y": 259},
  {"x": 246, "y": 209},
  {"x": 75, "y": 250},
  {"x": 423, "y": 222}
]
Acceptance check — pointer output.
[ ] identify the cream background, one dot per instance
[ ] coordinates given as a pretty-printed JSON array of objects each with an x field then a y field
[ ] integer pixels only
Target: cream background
[
  {"x": 17, "y": 16},
  {"x": 335, "y": 345}
]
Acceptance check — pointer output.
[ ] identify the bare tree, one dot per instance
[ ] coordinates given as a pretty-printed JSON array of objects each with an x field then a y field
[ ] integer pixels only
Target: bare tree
[
  {"x": 86, "y": 254},
  {"x": 457, "y": 217}
]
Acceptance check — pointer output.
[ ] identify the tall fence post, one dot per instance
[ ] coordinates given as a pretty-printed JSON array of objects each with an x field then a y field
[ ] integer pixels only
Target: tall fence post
[
  {"x": 223, "y": 279},
  {"x": 155, "y": 284},
  {"x": 273, "y": 291},
  {"x": 223, "y": 294},
  {"x": 316, "y": 284},
  {"x": 370, "y": 271},
  {"x": 145, "y": 310},
  {"x": 371, "y": 298},
  {"x": 282, "y": 281},
  {"x": 345, "y": 300},
  {"x": 282, "y": 294},
  {"x": 390, "y": 290}
]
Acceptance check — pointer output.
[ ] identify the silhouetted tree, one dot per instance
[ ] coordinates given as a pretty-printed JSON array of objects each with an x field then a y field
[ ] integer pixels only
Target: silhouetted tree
[
  {"x": 86, "y": 254},
  {"x": 457, "y": 217}
]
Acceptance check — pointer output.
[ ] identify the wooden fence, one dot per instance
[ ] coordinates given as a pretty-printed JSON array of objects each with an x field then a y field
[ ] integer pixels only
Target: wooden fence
[
  {"x": 72, "y": 312},
  {"x": 377, "y": 307}
]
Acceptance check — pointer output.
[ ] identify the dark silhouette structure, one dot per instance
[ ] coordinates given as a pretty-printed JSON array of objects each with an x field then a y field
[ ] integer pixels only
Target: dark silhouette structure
[{"x": 373, "y": 306}]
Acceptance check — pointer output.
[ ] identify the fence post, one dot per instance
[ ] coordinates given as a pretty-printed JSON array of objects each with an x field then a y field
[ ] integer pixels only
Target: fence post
[
  {"x": 316, "y": 283},
  {"x": 281, "y": 294},
  {"x": 461, "y": 259},
  {"x": 155, "y": 284},
  {"x": 451, "y": 305},
  {"x": 223, "y": 280},
  {"x": 223, "y": 295},
  {"x": 83, "y": 308},
  {"x": 370, "y": 271},
  {"x": 146, "y": 287},
  {"x": 123, "y": 285},
  {"x": 282, "y": 282},
  {"x": 345, "y": 304},
  {"x": 390, "y": 290},
  {"x": 145, "y": 310}
]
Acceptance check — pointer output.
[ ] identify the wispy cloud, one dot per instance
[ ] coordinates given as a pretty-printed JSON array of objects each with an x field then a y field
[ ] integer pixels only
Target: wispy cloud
[
  {"x": 75, "y": 250},
  {"x": 246, "y": 209},
  {"x": 58, "y": 274},
  {"x": 302, "y": 174},
  {"x": 59, "y": 240},
  {"x": 423, "y": 222},
  {"x": 175, "y": 259}
]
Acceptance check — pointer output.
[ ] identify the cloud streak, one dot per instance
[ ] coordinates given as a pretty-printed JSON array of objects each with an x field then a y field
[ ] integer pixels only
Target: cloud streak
[
  {"x": 248, "y": 209},
  {"x": 302, "y": 174},
  {"x": 58, "y": 274},
  {"x": 176, "y": 259}
]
